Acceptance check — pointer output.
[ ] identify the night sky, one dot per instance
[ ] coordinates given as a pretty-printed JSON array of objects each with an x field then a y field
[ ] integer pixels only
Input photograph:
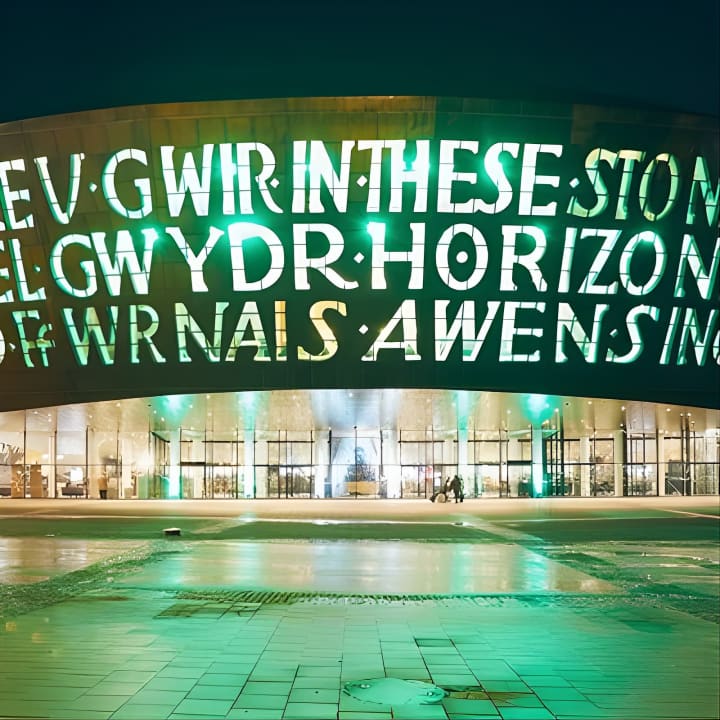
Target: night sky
[{"x": 663, "y": 54}]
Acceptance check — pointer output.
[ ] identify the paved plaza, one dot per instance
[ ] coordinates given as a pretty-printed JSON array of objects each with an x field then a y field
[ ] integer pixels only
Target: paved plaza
[{"x": 268, "y": 609}]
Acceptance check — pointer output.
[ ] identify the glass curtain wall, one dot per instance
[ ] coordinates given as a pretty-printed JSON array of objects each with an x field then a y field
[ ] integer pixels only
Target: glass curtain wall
[{"x": 39, "y": 460}]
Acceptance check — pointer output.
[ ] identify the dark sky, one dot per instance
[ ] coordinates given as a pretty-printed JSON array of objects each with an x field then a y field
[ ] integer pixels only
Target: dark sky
[{"x": 78, "y": 56}]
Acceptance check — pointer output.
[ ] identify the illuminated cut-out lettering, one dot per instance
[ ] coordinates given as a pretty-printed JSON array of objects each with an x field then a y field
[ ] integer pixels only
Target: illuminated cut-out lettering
[
  {"x": 380, "y": 256},
  {"x": 249, "y": 319},
  {"x": 629, "y": 158},
  {"x": 511, "y": 258},
  {"x": 406, "y": 316},
  {"x": 61, "y": 215},
  {"x": 91, "y": 334},
  {"x": 646, "y": 182},
  {"x": 510, "y": 331},
  {"x": 98, "y": 242},
  {"x": 322, "y": 264},
  {"x": 86, "y": 266},
  {"x": 186, "y": 324},
  {"x": 691, "y": 332},
  {"x": 690, "y": 257},
  {"x": 330, "y": 344},
  {"x": 142, "y": 185},
  {"x": 198, "y": 185},
  {"x": 241, "y": 169},
  {"x": 24, "y": 292},
  {"x": 529, "y": 179},
  {"x": 592, "y": 170},
  {"x": 238, "y": 233},
  {"x": 567, "y": 260},
  {"x": 320, "y": 172},
  {"x": 496, "y": 172},
  {"x": 300, "y": 170},
  {"x": 642, "y": 240},
  {"x": 464, "y": 322},
  {"x": 493, "y": 167},
  {"x": 280, "y": 331},
  {"x": 568, "y": 323},
  {"x": 41, "y": 343},
  {"x": 442, "y": 252},
  {"x": 701, "y": 190},
  {"x": 136, "y": 334},
  {"x": 195, "y": 262},
  {"x": 417, "y": 174},
  {"x": 9, "y": 197},
  {"x": 125, "y": 258},
  {"x": 400, "y": 175},
  {"x": 589, "y": 285},
  {"x": 670, "y": 336},
  {"x": 636, "y": 341},
  {"x": 375, "y": 147}
]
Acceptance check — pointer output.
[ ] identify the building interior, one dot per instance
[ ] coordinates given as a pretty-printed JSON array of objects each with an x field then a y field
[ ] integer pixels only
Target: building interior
[{"x": 389, "y": 443}]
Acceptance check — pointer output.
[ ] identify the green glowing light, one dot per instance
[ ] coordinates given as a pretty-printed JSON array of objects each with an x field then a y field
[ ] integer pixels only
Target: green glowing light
[{"x": 538, "y": 407}]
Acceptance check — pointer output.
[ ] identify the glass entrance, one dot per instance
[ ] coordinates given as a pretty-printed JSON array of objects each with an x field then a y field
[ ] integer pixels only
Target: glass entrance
[
  {"x": 417, "y": 481},
  {"x": 519, "y": 479},
  {"x": 222, "y": 481},
  {"x": 423, "y": 465},
  {"x": 194, "y": 485},
  {"x": 290, "y": 481},
  {"x": 485, "y": 481},
  {"x": 641, "y": 468}
]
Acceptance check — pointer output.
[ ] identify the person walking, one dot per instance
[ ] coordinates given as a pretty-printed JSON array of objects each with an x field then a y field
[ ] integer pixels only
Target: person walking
[
  {"x": 456, "y": 485},
  {"x": 103, "y": 486}
]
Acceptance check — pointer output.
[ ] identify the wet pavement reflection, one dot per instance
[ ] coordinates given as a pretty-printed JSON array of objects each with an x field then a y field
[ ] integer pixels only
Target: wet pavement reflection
[
  {"x": 32, "y": 559},
  {"x": 364, "y": 567}
]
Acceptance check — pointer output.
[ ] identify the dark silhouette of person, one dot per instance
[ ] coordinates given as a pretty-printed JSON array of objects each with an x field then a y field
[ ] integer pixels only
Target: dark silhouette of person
[{"x": 456, "y": 485}]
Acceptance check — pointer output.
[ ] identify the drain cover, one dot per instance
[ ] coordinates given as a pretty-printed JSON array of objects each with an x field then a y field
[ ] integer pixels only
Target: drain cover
[{"x": 394, "y": 691}]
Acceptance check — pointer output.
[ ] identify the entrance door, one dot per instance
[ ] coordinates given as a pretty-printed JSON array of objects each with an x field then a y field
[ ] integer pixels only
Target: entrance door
[
  {"x": 422, "y": 465},
  {"x": 485, "y": 481},
  {"x": 296, "y": 481},
  {"x": 194, "y": 485},
  {"x": 519, "y": 479},
  {"x": 290, "y": 481},
  {"x": 641, "y": 468},
  {"x": 222, "y": 481},
  {"x": 417, "y": 481}
]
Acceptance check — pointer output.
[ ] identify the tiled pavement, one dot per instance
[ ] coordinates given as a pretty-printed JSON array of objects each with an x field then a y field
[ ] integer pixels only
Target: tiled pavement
[{"x": 126, "y": 653}]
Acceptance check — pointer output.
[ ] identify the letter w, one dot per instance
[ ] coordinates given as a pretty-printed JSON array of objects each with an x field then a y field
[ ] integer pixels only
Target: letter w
[
  {"x": 464, "y": 321},
  {"x": 125, "y": 256},
  {"x": 199, "y": 186},
  {"x": 92, "y": 333}
]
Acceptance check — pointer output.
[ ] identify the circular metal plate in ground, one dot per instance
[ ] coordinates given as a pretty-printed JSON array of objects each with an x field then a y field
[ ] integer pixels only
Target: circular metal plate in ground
[{"x": 394, "y": 691}]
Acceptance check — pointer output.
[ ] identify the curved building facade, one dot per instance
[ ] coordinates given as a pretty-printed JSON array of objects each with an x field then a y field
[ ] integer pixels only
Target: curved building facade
[{"x": 359, "y": 297}]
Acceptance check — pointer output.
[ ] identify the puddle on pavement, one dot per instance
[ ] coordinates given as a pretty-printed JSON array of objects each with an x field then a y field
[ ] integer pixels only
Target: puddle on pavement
[
  {"x": 365, "y": 567},
  {"x": 28, "y": 560}
]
